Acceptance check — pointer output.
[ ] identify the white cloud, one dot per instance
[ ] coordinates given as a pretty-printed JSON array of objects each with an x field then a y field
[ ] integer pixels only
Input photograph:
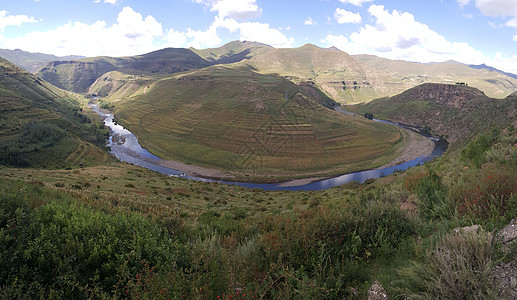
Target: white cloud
[
  {"x": 236, "y": 9},
  {"x": 261, "y": 32},
  {"x": 16, "y": 20},
  {"x": 248, "y": 31},
  {"x": 203, "y": 39},
  {"x": 309, "y": 21},
  {"x": 229, "y": 11},
  {"x": 468, "y": 16},
  {"x": 355, "y": 2},
  {"x": 344, "y": 16},
  {"x": 399, "y": 36},
  {"x": 512, "y": 23},
  {"x": 175, "y": 38},
  {"x": 463, "y": 3},
  {"x": 106, "y": 1},
  {"x": 515, "y": 38},
  {"x": 496, "y": 8},
  {"x": 339, "y": 41},
  {"x": 132, "y": 34}
]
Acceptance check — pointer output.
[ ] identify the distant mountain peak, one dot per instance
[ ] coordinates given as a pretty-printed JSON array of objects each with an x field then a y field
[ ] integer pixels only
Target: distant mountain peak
[{"x": 485, "y": 67}]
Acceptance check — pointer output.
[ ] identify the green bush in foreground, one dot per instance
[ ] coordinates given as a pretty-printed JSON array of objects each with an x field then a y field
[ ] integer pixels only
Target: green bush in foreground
[{"x": 51, "y": 245}]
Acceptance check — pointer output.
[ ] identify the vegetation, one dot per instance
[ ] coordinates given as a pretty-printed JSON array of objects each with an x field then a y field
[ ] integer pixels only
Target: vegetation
[
  {"x": 368, "y": 115},
  {"x": 43, "y": 126},
  {"x": 121, "y": 231},
  {"x": 454, "y": 111}
]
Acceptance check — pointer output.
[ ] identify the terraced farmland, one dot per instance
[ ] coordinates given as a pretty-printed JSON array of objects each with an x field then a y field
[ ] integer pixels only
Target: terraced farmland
[{"x": 252, "y": 125}]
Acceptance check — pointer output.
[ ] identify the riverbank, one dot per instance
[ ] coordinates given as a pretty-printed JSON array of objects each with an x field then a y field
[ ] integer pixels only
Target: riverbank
[
  {"x": 416, "y": 146},
  {"x": 124, "y": 145}
]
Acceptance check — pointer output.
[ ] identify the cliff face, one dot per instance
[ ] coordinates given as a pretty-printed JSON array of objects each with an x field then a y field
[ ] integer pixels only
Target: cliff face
[
  {"x": 73, "y": 75},
  {"x": 454, "y": 111},
  {"x": 457, "y": 96}
]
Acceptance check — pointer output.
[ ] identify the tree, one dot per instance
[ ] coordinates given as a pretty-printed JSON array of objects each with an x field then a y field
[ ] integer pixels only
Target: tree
[{"x": 368, "y": 115}]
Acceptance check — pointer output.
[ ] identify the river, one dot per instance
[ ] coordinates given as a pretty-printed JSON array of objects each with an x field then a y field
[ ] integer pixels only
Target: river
[{"x": 125, "y": 146}]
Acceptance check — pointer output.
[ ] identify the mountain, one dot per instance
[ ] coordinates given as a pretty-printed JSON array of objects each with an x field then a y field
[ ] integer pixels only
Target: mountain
[
  {"x": 410, "y": 74},
  {"x": 32, "y": 62},
  {"x": 344, "y": 78},
  {"x": 43, "y": 126},
  {"x": 338, "y": 74},
  {"x": 232, "y": 52},
  {"x": 455, "y": 111},
  {"x": 483, "y": 66},
  {"x": 79, "y": 75}
]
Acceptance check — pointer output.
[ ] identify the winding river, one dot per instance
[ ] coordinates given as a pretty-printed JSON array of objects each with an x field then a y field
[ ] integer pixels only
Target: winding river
[{"x": 125, "y": 146}]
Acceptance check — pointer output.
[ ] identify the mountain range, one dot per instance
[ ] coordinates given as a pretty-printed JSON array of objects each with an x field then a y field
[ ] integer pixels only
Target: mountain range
[{"x": 344, "y": 78}]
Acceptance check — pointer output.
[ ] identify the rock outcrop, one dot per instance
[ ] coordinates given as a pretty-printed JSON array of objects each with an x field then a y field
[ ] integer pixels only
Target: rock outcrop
[{"x": 377, "y": 292}]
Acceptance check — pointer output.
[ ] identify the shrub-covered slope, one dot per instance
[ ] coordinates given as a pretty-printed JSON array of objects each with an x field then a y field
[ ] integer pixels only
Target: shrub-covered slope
[{"x": 41, "y": 125}]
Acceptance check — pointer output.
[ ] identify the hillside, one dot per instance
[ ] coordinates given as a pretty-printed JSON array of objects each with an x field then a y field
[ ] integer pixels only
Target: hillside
[
  {"x": 31, "y": 62},
  {"x": 247, "y": 123},
  {"x": 79, "y": 75},
  {"x": 43, "y": 126},
  {"x": 494, "y": 83},
  {"x": 455, "y": 111},
  {"x": 232, "y": 52}
]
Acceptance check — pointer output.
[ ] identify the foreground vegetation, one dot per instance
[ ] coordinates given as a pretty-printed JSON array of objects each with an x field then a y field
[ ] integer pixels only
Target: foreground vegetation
[{"x": 120, "y": 231}]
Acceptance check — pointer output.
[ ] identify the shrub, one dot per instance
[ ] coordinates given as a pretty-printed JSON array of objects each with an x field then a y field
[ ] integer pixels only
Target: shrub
[
  {"x": 475, "y": 150},
  {"x": 459, "y": 267},
  {"x": 487, "y": 193},
  {"x": 432, "y": 197}
]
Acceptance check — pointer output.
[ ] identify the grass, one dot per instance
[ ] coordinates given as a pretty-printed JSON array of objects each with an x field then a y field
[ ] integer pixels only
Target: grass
[
  {"x": 237, "y": 120},
  {"x": 204, "y": 240}
]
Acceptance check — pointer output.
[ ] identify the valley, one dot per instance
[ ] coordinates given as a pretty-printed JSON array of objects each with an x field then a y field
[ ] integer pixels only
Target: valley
[{"x": 281, "y": 188}]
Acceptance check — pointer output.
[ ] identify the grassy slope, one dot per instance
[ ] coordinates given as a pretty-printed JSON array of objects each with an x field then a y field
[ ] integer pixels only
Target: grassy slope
[
  {"x": 457, "y": 112},
  {"x": 335, "y": 72},
  {"x": 232, "y": 52},
  {"x": 494, "y": 84},
  {"x": 79, "y": 75},
  {"x": 233, "y": 118},
  {"x": 41, "y": 125}
]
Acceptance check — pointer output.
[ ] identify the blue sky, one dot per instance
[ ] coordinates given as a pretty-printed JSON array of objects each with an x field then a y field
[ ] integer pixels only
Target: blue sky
[{"x": 469, "y": 31}]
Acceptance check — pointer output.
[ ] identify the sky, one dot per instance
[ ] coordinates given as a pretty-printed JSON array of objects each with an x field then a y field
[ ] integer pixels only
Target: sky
[{"x": 468, "y": 31}]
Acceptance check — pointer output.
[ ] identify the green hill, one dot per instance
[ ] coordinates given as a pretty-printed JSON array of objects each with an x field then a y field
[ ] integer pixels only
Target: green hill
[
  {"x": 235, "y": 119},
  {"x": 455, "y": 111},
  {"x": 43, "y": 126}
]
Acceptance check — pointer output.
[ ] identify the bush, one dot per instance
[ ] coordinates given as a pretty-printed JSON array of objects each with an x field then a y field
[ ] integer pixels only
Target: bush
[
  {"x": 487, "y": 194},
  {"x": 459, "y": 267},
  {"x": 49, "y": 240},
  {"x": 433, "y": 202},
  {"x": 475, "y": 150}
]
